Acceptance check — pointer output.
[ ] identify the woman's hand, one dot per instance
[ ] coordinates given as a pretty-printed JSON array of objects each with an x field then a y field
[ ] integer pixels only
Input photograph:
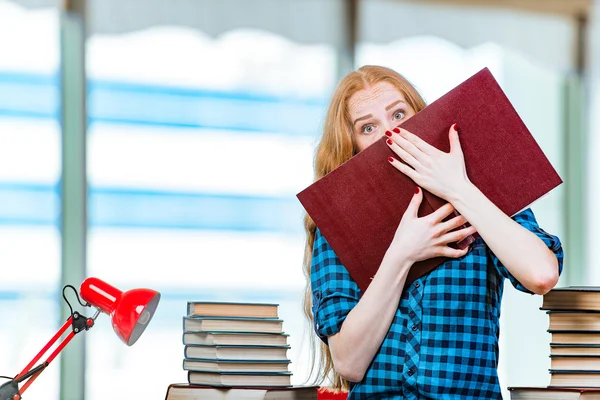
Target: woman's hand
[
  {"x": 418, "y": 239},
  {"x": 443, "y": 174}
]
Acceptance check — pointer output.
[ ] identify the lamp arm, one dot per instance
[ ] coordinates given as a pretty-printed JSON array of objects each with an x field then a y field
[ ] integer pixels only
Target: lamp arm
[
  {"x": 78, "y": 323},
  {"x": 52, "y": 356}
]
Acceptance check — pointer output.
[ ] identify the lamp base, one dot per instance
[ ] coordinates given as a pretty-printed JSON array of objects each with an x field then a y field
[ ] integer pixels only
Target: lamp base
[{"x": 10, "y": 391}]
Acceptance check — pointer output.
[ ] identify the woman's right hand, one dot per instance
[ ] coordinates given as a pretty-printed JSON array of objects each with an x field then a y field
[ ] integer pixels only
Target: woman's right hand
[{"x": 418, "y": 239}]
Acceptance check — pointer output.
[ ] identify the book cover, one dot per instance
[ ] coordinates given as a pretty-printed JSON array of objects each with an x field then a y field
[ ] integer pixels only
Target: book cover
[
  {"x": 553, "y": 393},
  {"x": 219, "y": 365},
  {"x": 199, "y": 351},
  {"x": 574, "y": 362},
  {"x": 186, "y": 391},
  {"x": 358, "y": 206},
  {"x": 575, "y": 378},
  {"x": 232, "y": 324},
  {"x": 232, "y": 309},
  {"x": 573, "y": 320},
  {"x": 566, "y": 349},
  {"x": 572, "y": 298},
  {"x": 235, "y": 338},
  {"x": 240, "y": 378},
  {"x": 574, "y": 337}
]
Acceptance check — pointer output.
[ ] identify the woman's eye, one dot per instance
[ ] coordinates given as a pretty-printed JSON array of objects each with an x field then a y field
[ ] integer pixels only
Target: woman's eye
[
  {"x": 399, "y": 114},
  {"x": 368, "y": 129}
]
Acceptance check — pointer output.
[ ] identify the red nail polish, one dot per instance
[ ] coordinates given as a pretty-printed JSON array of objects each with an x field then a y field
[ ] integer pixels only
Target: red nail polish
[
  {"x": 397, "y": 130},
  {"x": 391, "y": 159},
  {"x": 417, "y": 190},
  {"x": 388, "y": 133},
  {"x": 455, "y": 127},
  {"x": 389, "y": 141}
]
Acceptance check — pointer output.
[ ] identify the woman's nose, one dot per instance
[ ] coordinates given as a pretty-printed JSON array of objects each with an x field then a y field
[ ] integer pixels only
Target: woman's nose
[{"x": 385, "y": 128}]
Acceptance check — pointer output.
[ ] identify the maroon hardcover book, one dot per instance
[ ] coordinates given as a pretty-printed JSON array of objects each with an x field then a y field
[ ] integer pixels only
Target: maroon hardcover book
[{"x": 358, "y": 206}]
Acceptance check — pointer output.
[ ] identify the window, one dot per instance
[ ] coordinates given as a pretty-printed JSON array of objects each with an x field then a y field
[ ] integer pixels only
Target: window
[
  {"x": 29, "y": 198},
  {"x": 197, "y": 147}
]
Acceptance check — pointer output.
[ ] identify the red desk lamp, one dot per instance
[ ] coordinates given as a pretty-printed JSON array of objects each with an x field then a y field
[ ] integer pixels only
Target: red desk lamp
[{"x": 130, "y": 313}]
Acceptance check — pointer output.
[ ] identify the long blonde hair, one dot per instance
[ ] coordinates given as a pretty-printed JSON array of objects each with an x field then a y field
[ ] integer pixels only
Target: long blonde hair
[{"x": 336, "y": 147}]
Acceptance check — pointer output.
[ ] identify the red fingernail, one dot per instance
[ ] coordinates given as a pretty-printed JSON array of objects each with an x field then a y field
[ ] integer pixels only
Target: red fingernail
[
  {"x": 455, "y": 127},
  {"x": 417, "y": 190},
  {"x": 389, "y": 141},
  {"x": 397, "y": 130},
  {"x": 388, "y": 133},
  {"x": 391, "y": 159}
]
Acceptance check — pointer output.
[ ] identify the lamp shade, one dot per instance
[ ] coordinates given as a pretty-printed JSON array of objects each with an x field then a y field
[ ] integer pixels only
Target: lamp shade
[{"x": 130, "y": 311}]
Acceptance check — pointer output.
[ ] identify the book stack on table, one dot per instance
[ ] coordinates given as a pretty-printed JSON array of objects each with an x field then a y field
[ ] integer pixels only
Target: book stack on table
[
  {"x": 235, "y": 344},
  {"x": 236, "y": 350},
  {"x": 574, "y": 323}
]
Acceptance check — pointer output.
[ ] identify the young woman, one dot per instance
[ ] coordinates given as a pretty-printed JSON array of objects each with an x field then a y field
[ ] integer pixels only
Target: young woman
[{"x": 438, "y": 337}]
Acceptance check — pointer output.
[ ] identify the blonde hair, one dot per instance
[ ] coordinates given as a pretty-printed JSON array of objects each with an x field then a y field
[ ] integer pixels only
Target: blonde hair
[{"x": 336, "y": 147}]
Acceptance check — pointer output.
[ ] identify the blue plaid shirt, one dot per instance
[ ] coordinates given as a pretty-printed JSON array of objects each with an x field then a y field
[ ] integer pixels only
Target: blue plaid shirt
[{"x": 443, "y": 340}]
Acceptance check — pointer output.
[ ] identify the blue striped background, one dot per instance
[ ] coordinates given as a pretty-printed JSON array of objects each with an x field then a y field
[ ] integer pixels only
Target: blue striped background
[
  {"x": 37, "y": 96},
  {"x": 23, "y": 204}
]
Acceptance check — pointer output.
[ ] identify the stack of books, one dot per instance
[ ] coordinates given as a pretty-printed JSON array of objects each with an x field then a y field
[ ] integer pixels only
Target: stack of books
[
  {"x": 236, "y": 350},
  {"x": 574, "y": 325}
]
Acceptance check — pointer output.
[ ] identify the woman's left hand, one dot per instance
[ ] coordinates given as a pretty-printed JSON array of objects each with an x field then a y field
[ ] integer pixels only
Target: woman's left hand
[{"x": 443, "y": 174}]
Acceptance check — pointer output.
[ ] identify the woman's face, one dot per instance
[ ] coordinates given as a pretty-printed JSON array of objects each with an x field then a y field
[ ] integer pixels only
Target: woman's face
[{"x": 377, "y": 109}]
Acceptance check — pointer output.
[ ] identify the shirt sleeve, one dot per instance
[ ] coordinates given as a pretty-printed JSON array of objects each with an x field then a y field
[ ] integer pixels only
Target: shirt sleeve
[
  {"x": 528, "y": 221},
  {"x": 334, "y": 292}
]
